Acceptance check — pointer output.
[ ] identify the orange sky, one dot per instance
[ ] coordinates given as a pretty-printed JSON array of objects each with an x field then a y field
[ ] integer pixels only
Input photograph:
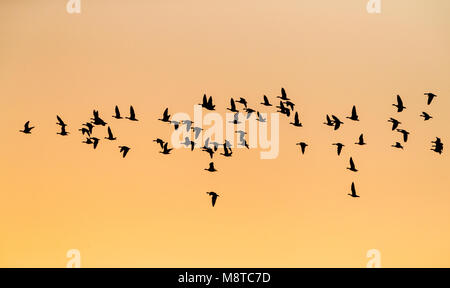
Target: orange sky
[{"x": 151, "y": 210}]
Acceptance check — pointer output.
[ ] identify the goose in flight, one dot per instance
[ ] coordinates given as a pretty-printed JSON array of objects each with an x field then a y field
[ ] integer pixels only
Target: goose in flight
[
  {"x": 197, "y": 131},
  {"x": 296, "y": 122},
  {"x": 160, "y": 142},
  {"x": 352, "y": 166},
  {"x": 354, "y": 116},
  {"x": 236, "y": 119},
  {"x": 266, "y": 101},
  {"x": 211, "y": 167},
  {"x": 425, "y": 116},
  {"x": 213, "y": 197},
  {"x": 337, "y": 123},
  {"x": 232, "y": 106},
  {"x": 249, "y": 112},
  {"x": 85, "y": 131},
  {"x": 405, "y": 134},
  {"x": 132, "y": 115},
  {"x": 395, "y": 123},
  {"x": 89, "y": 126},
  {"x": 283, "y": 95},
  {"x": 438, "y": 146},
  {"x": 260, "y": 118},
  {"x": 110, "y": 135},
  {"x": 361, "y": 140},
  {"x": 329, "y": 121},
  {"x": 165, "y": 149},
  {"x": 175, "y": 124},
  {"x": 339, "y": 148},
  {"x": 166, "y": 116},
  {"x": 244, "y": 143},
  {"x": 60, "y": 122},
  {"x": 242, "y": 101},
  {"x": 303, "y": 146},
  {"x": 353, "y": 194},
  {"x": 241, "y": 134},
  {"x": 117, "y": 113},
  {"x": 124, "y": 150},
  {"x": 227, "y": 151},
  {"x": 95, "y": 140},
  {"x": 63, "y": 131},
  {"x": 209, "y": 151},
  {"x": 397, "y": 145},
  {"x": 399, "y": 104},
  {"x": 430, "y": 97},
  {"x": 97, "y": 120},
  {"x": 26, "y": 128},
  {"x": 208, "y": 103},
  {"x": 188, "y": 142},
  {"x": 188, "y": 124}
]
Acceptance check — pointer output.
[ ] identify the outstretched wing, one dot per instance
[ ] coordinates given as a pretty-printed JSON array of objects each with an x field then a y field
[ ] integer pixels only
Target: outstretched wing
[
  {"x": 283, "y": 93},
  {"x": 132, "y": 114},
  {"x": 354, "y": 114},
  {"x": 399, "y": 101}
]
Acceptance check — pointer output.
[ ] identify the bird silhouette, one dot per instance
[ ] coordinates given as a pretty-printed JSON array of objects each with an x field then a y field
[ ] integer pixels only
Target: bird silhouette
[
  {"x": 339, "y": 148},
  {"x": 208, "y": 103},
  {"x": 166, "y": 116},
  {"x": 110, "y": 135},
  {"x": 353, "y": 194},
  {"x": 430, "y": 97},
  {"x": 232, "y": 106},
  {"x": 337, "y": 123},
  {"x": 397, "y": 145},
  {"x": 438, "y": 146},
  {"x": 160, "y": 142},
  {"x": 132, "y": 114},
  {"x": 283, "y": 95},
  {"x": 197, "y": 131},
  {"x": 95, "y": 142},
  {"x": 26, "y": 128},
  {"x": 227, "y": 151},
  {"x": 249, "y": 112},
  {"x": 209, "y": 151},
  {"x": 266, "y": 101},
  {"x": 283, "y": 109},
  {"x": 361, "y": 140},
  {"x": 63, "y": 131},
  {"x": 165, "y": 149},
  {"x": 124, "y": 150},
  {"x": 85, "y": 131},
  {"x": 211, "y": 167},
  {"x": 60, "y": 122},
  {"x": 97, "y": 120},
  {"x": 405, "y": 134},
  {"x": 241, "y": 134},
  {"x": 303, "y": 146},
  {"x": 296, "y": 122},
  {"x": 399, "y": 104},
  {"x": 425, "y": 116},
  {"x": 213, "y": 197},
  {"x": 329, "y": 122},
  {"x": 354, "y": 116},
  {"x": 395, "y": 123},
  {"x": 242, "y": 101},
  {"x": 352, "y": 166},
  {"x": 117, "y": 113},
  {"x": 260, "y": 118},
  {"x": 89, "y": 126}
]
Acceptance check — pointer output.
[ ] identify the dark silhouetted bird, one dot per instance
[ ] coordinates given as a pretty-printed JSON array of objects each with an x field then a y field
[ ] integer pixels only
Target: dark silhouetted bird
[
  {"x": 283, "y": 109},
  {"x": 283, "y": 95},
  {"x": 399, "y": 104},
  {"x": 329, "y": 121},
  {"x": 211, "y": 167},
  {"x": 397, "y": 145},
  {"x": 405, "y": 134},
  {"x": 89, "y": 126},
  {"x": 354, "y": 116},
  {"x": 110, "y": 135},
  {"x": 337, "y": 123},
  {"x": 352, "y": 166},
  {"x": 260, "y": 118},
  {"x": 95, "y": 142},
  {"x": 395, "y": 123},
  {"x": 213, "y": 197},
  {"x": 85, "y": 131},
  {"x": 26, "y": 128},
  {"x": 132, "y": 114},
  {"x": 303, "y": 146},
  {"x": 361, "y": 140},
  {"x": 339, "y": 148},
  {"x": 207, "y": 103},
  {"x": 209, "y": 151},
  {"x": 242, "y": 101},
  {"x": 249, "y": 112},
  {"x": 165, "y": 149},
  {"x": 166, "y": 116},
  {"x": 438, "y": 146},
  {"x": 266, "y": 101},
  {"x": 97, "y": 120},
  {"x": 353, "y": 194},
  {"x": 425, "y": 116},
  {"x": 160, "y": 142},
  {"x": 124, "y": 150},
  {"x": 117, "y": 113},
  {"x": 296, "y": 122},
  {"x": 232, "y": 106},
  {"x": 63, "y": 131},
  {"x": 227, "y": 151},
  {"x": 430, "y": 97},
  {"x": 60, "y": 122}
]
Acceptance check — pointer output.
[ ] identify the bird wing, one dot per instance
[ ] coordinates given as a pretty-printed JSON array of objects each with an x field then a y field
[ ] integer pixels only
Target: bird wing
[
  {"x": 210, "y": 101},
  {"x": 166, "y": 113},
  {"x": 296, "y": 118},
  {"x": 132, "y": 114},
  {"x": 205, "y": 101},
  {"x": 353, "y": 188},
  {"x": 233, "y": 105},
  {"x": 283, "y": 93},
  {"x": 110, "y": 134},
  {"x": 117, "y": 111},
  {"x": 354, "y": 114},
  {"x": 214, "y": 199},
  {"x": 352, "y": 164},
  {"x": 266, "y": 100},
  {"x": 27, "y": 125},
  {"x": 399, "y": 101},
  {"x": 61, "y": 122}
]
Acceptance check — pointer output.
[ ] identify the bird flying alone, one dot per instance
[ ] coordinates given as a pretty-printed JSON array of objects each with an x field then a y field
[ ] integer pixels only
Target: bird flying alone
[
  {"x": 213, "y": 197},
  {"x": 166, "y": 116},
  {"x": 339, "y": 148},
  {"x": 132, "y": 115},
  {"x": 296, "y": 122},
  {"x": 266, "y": 101},
  {"x": 352, "y": 166},
  {"x": 354, "y": 116},
  {"x": 117, "y": 113},
  {"x": 110, "y": 135},
  {"x": 425, "y": 116},
  {"x": 405, "y": 134},
  {"x": 430, "y": 97},
  {"x": 124, "y": 150},
  {"x": 361, "y": 140},
  {"x": 303, "y": 146},
  {"x": 395, "y": 123},
  {"x": 399, "y": 104},
  {"x": 353, "y": 189},
  {"x": 211, "y": 167},
  {"x": 26, "y": 128}
]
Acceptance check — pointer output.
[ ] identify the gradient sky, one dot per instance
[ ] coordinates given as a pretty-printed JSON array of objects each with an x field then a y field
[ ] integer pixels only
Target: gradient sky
[{"x": 151, "y": 210}]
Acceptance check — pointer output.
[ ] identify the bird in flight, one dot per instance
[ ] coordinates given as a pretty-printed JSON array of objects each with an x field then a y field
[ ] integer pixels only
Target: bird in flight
[
  {"x": 260, "y": 117},
  {"x": 89, "y": 126},
  {"x": 197, "y": 131},
  {"x": 405, "y": 134},
  {"x": 266, "y": 101},
  {"x": 283, "y": 109},
  {"x": 124, "y": 150},
  {"x": 353, "y": 194},
  {"x": 160, "y": 142},
  {"x": 249, "y": 112},
  {"x": 242, "y": 101},
  {"x": 208, "y": 103},
  {"x": 303, "y": 146},
  {"x": 97, "y": 120},
  {"x": 352, "y": 166},
  {"x": 132, "y": 115},
  {"x": 395, "y": 123},
  {"x": 235, "y": 119},
  {"x": 232, "y": 106},
  {"x": 430, "y": 97},
  {"x": 361, "y": 140},
  {"x": 166, "y": 116},
  {"x": 283, "y": 95},
  {"x": 329, "y": 121},
  {"x": 110, "y": 135},
  {"x": 165, "y": 149},
  {"x": 337, "y": 123},
  {"x": 117, "y": 113},
  {"x": 213, "y": 197},
  {"x": 425, "y": 116},
  {"x": 211, "y": 167},
  {"x": 354, "y": 116},
  {"x": 60, "y": 122},
  {"x": 339, "y": 147},
  {"x": 63, "y": 131},
  {"x": 96, "y": 140},
  {"x": 438, "y": 146},
  {"x": 296, "y": 122},
  {"x": 176, "y": 124},
  {"x": 209, "y": 151},
  {"x": 399, "y": 104},
  {"x": 227, "y": 151},
  {"x": 85, "y": 131},
  {"x": 26, "y": 128},
  {"x": 397, "y": 145},
  {"x": 188, "y": 124}
]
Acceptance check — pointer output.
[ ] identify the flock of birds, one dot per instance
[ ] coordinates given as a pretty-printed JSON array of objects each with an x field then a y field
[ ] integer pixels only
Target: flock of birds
[{"x": 285, "y": 107}]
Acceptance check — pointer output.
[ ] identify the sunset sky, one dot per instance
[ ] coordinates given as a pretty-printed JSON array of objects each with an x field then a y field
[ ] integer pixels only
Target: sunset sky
[{"x": 151, "y": 210}]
